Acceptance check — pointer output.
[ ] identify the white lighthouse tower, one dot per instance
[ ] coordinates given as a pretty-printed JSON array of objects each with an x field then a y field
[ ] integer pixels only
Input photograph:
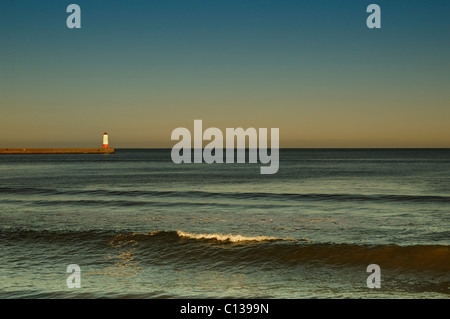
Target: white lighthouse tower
[{"x": 105, "y": 140}]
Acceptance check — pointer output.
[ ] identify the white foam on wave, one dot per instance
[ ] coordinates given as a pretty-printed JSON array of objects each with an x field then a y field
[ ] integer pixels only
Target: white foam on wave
[{"x": 228, "y": 237}]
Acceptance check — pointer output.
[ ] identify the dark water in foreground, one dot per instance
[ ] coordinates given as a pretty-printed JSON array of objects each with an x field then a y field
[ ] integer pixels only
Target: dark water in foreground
[{"x": 140, "y": 226}]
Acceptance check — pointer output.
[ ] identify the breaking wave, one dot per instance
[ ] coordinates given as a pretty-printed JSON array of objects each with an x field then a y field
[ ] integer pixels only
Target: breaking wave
[
  {"x": 229, "y": 237},
  {"x": 206, "y": 249}
]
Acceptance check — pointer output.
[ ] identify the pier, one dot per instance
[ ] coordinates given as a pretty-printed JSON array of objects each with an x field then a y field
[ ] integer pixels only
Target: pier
[{"x": 57, "y": 150}]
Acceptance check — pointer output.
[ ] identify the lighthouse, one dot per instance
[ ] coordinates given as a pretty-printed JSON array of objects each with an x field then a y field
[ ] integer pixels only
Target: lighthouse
[{"x": 105, "y": 140}]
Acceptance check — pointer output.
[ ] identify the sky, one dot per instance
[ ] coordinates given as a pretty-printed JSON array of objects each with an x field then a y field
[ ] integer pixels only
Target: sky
[{"x": 140, "y": 69}]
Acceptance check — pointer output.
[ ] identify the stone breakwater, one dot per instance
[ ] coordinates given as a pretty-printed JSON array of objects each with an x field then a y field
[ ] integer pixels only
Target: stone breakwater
[{"x": 57, "y": 150}]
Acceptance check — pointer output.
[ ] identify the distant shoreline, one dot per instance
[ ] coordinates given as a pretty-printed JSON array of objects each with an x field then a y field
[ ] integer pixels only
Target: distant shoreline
[{"x": 23, "y": 150}]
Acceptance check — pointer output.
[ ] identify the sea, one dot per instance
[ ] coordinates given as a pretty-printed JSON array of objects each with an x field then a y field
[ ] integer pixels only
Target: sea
[{"x": 331, "y": 223}]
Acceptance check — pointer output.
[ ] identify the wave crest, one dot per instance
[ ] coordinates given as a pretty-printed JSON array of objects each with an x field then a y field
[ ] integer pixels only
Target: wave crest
[{"x": 228, "y": 237}]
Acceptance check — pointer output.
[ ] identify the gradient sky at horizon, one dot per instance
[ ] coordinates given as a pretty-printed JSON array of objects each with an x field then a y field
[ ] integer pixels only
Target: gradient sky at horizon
[{"x": 139, "y": 69}]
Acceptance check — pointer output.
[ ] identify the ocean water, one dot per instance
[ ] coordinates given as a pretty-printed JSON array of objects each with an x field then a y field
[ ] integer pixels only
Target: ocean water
[{"x": 139, "y": 226}]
